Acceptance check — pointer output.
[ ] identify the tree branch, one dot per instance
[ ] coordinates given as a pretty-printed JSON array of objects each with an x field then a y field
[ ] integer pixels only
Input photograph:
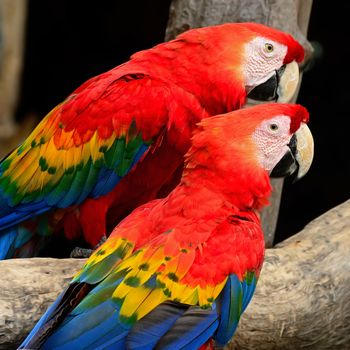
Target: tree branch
[{"x": 302, "y": 299}]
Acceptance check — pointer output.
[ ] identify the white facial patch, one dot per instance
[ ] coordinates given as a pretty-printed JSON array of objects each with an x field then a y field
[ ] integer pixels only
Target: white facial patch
[
  {"x": 263, "y": 57},
  {"x": 272, "y": 137}
]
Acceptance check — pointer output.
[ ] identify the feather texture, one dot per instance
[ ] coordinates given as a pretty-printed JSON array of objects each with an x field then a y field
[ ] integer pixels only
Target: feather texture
[
  {"x": 119, "y": 139},
  {"x": 178, "y": 271}
]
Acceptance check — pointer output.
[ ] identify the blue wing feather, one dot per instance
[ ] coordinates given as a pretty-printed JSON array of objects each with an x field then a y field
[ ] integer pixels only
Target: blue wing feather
[
  {"x": 231, "y": 298},
  {"x": 107, "y": 180},
  {"x": 234, "y": 298},
  {"x": 248, "y": 294},
  {"x": 13, "y": 216},
  {"x": 7, "y": 241},
  {"x": 80, "y": 185},
  {"x": 90, "y": 329}
]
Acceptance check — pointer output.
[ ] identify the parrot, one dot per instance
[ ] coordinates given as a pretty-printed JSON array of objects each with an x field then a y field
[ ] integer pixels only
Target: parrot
[
  {"x": 120, "y": 138},
  {"x": 179, "y": 271}
]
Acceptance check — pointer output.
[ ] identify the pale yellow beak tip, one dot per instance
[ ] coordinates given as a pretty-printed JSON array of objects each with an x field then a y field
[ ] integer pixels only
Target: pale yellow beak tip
[
  {"x": 289, "y": 83},
  {"x": 305, "y": 149}
]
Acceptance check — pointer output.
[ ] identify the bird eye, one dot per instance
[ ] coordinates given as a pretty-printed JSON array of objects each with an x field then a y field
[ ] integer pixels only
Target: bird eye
[
  {"x": 268, "y": 47},
  {"x": 273, "y": 127}
]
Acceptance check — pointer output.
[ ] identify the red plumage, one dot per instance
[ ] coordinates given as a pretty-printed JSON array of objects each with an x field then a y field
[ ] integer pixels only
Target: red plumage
[
  {"x": 211, "y": 92},
  {"x": 180, "y": 271},
  {"x": 159, "y": 95}
]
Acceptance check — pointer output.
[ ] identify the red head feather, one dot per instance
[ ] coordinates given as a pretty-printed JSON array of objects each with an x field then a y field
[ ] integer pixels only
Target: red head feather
[
  {"x": 243, "y": 122},
  {"x": 209, "y": 61},
  {"x": 295, "y": 50},
  {"x": 224, "y": 147}
]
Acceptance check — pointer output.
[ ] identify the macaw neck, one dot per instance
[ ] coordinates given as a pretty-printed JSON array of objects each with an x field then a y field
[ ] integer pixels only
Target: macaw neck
[
  {"x": 194, "y": 70},
  {"x": 241, "y": 189}
]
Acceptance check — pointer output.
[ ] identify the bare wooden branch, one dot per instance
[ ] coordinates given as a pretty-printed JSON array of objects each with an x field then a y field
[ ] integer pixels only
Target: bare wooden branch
[
  {"x": 28, "y": 287},
  {"x": 269, "y": 215},
  {"x": 301, "y": 299}
]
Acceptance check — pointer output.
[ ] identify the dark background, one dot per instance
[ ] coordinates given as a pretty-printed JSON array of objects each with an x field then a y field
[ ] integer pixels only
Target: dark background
[
  {"x": 69, "y": 41},
  {"x": 325, "y": 91}
]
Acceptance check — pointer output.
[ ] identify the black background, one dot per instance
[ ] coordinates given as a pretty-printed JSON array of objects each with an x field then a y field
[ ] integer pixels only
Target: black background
[{"x": 68, "y": 42}]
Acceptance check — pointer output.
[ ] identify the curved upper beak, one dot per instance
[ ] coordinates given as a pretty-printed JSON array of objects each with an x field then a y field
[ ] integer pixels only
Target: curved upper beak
[
  {"x": 299, "y": 155},
  {"x": 288, "y": 83},
  {"x": 281, "y": 87},
  {"x": 305, "y": 150}
]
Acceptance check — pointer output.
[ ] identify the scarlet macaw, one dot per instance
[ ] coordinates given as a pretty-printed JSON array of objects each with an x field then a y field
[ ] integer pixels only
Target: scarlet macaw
[
  {"x": 180, "y": 271},
  {"x": 120, "y": 138}
]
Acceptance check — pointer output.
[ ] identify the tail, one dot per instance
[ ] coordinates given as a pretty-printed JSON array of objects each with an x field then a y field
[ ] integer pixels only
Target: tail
[{"x": 55, "y": 314}]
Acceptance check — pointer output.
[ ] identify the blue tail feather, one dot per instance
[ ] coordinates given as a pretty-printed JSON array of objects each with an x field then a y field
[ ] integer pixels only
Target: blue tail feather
[
  {"x": 203, "y": 337},
  {"x": 147, "y": 331},
  {"x": 191, "y": 330},
  {"x": 90, "y": 329}
]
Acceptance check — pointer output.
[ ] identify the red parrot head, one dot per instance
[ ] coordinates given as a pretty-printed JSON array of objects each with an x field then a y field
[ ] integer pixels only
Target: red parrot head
[
  {"x": 258, "y": 59},
  {"x": 270, "y": 63},
  {"x": 268, "y": 139},
  {"x": 223, "y": 65}
]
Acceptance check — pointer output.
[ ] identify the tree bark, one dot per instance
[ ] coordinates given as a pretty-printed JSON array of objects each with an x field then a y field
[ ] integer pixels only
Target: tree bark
[
  {"x": 28, "y": 287},
  {"x": 302, "y": 299},
  {"x": 12, "y": 25},
  {"x": 291, "y": 16},
  {"x": 301, "y": 302}
]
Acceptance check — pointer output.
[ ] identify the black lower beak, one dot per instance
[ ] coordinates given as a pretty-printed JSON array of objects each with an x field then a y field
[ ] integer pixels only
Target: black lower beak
[
  {"x": 288, "y": 164},
  {"x": 268, "y": 91}
]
